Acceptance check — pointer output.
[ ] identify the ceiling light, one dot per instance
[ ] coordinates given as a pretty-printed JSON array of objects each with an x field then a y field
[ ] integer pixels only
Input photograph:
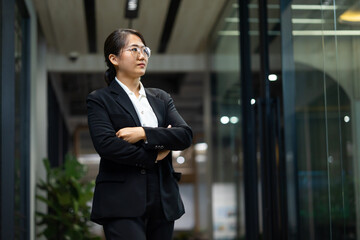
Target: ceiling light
[
  {"x": 89, "y": 158},
  {"x": 251, "y": 33},
  {"x": 352, "y": 15},
  {"x": 307, "y": 21},
  {"x": 200, "y": 158},
  {"x": 252, "y": 101},
  {"x": 229, "y": 33},
  {"x": 224, "y": 120},
  {"x": 272, "y": 77},
  {"x": 180, "y": 160},
  {"x": 201, "y": 146},
  {"x": 346, "y": 119},
  {"x": 311, "y": 7},
  {"x": 234, "y": 120},
  {"x": 326, "y": 33},
  {"x": 131, "y": 9}
]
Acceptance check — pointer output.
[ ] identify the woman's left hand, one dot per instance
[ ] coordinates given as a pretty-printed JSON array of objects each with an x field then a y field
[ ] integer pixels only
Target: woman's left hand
[{"x": 131, "y": 134}]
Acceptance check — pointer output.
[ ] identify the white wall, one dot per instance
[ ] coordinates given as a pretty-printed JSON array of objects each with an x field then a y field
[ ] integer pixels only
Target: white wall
[
  {"x": 38, "y": 130},
  {"x": 38, "y": 113}
]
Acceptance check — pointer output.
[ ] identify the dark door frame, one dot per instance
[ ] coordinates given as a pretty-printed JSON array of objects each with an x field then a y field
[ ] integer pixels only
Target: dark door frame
[
  {"x": 7, "y": 59},
  {"x": 9, "y": 225},
  {"x": 264, "y": 132},
  {"x": 248, "y": 126}
]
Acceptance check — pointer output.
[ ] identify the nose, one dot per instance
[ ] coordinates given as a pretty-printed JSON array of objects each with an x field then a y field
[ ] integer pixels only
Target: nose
[{"x": 141, "y": 55}]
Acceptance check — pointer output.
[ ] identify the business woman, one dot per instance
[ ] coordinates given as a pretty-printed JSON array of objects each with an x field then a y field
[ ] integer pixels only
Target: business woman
[{"x": 133, "y": 129}]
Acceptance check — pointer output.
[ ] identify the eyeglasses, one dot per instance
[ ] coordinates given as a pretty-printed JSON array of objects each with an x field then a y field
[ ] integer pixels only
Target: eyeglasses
[{"x": 146, "y": 52}]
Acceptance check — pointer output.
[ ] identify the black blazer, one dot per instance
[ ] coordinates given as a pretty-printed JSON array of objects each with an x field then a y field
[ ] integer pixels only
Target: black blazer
[{"x": 120, "y": 189}]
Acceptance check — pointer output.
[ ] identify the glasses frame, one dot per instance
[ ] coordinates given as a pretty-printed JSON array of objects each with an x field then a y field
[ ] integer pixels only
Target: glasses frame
[{"x": 145, "y": 51}]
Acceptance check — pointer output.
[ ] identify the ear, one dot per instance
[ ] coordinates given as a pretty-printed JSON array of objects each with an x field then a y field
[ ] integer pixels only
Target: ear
[{"x": 114, "y": 60}]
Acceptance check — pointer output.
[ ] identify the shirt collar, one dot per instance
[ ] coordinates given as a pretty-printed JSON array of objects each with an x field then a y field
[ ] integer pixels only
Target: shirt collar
[
  {"x": 142, "y": 90},
  {"x": 127, "y": 90}
]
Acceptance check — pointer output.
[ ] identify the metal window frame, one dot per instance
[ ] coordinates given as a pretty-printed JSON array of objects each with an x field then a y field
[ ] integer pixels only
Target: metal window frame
[
  {"x": 7, "y": 59},
  {"x": 7, "y": 146},
  {"x": 290, "y": 149},
  {"x": 274, "y": 188},
  {"x": 25, "y": 126},
  {"x": 248, "y": 127}
]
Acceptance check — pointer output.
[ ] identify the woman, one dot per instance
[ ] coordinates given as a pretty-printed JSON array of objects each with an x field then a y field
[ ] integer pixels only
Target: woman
[{"x": 133, "y": 129}]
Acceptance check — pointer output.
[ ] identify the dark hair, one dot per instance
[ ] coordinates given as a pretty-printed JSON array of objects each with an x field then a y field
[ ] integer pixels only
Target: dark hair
[{"x": 114, "y": 43}]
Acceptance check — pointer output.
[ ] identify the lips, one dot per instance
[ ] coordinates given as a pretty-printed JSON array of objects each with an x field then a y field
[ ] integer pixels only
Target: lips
[{"x": 141, "y": 64}]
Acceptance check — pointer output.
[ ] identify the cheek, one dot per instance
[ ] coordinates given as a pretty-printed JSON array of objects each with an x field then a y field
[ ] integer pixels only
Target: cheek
[{"x": 124, "y": 65}]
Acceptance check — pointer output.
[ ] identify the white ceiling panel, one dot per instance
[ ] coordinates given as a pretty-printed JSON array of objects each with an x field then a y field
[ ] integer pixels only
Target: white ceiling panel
[
  {"x": 64, "y": 23},
  {"x": 193, "y": 23},
  {"x": 67, "y": 18},
  {"x": 110, "y": 15},
  {"x": 152, "y": 16},
  {"x": 43, "y": 13}
]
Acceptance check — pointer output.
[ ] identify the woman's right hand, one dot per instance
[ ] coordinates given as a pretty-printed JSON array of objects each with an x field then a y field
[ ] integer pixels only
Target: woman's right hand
[{"x": 162, "y": 154}]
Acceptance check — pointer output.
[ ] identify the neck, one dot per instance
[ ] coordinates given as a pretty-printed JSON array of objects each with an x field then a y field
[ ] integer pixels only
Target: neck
[{"x": 132, "y": 83}]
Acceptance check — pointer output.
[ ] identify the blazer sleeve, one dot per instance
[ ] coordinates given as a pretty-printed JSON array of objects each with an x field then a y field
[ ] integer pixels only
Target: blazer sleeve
[
  {"x": 178, "y": 137},
  {"x": 107, "y": 144}
]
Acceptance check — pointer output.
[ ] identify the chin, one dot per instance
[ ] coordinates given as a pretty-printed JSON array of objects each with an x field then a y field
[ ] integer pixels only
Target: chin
[{"x": 142, "y": 73}]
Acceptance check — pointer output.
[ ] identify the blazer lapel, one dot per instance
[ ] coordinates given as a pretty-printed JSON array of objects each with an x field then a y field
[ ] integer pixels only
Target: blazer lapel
[
  {"x": 158, "y": 106},
  {"x": 123, "y": 99}
]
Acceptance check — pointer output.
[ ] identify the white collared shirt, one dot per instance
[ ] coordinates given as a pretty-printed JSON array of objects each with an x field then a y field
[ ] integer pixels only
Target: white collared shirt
[{"x": 141, "y": 104}]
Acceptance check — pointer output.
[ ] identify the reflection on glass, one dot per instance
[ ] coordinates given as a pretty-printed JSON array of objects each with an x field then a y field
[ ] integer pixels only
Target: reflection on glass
[
  {"x": 325, "y": 53},
  {"x": 227, "y": 183}
]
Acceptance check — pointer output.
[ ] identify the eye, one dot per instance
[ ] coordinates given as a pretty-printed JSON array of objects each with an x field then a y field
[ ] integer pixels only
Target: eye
[{"x": 134, "y": 49}]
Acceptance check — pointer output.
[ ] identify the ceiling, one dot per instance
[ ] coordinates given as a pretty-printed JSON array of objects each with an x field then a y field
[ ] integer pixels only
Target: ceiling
[{"x": 181, "y": 27}]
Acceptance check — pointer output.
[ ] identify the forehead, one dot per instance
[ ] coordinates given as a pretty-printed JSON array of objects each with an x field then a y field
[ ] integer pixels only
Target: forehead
[{"x": 134, "y": 40}]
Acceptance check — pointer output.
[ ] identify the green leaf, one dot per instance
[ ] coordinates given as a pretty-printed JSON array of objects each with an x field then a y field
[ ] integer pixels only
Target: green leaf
[
  {"x": 47, "y": 165},
  {"x": 44, "y": 200},
  {"x": 73, "y": 168},
  {"x": 67, "y": 200},
  {"x": 76, "y": 206}
]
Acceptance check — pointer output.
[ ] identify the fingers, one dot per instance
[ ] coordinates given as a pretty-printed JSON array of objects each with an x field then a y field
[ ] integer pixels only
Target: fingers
[
  {"x": 130, "y": 130},
  {"x": 124, "y": 132},
  {"x": 118, "y": 133},
  {"x": 131, "y": 134},
  {"x": 162, "y": 154}
]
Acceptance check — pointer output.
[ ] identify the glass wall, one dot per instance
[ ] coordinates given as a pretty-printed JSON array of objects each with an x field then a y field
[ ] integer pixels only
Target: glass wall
[
  {"x": 226, "y": 151},
  {"x": 321, "y": 94},
  {"x": 318, "y": 47}
]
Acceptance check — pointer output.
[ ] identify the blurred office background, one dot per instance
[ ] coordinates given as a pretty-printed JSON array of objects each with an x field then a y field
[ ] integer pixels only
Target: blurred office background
[{"x": 271, "y": 89}]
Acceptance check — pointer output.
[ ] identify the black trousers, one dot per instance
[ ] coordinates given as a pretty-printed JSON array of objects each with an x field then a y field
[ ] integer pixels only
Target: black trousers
[{"x": 151, "y": 226}]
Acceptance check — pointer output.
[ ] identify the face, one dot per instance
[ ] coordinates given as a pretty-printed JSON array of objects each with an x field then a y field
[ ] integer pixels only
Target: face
[{"x": 130, "y": 63}]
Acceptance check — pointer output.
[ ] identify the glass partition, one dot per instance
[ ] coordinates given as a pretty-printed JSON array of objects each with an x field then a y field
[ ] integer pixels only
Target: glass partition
[
  {"x": 227, "y": 183},
  {"x": 325, "y": 110}
]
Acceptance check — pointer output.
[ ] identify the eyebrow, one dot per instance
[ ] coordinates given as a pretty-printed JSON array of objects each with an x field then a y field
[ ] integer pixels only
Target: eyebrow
[{"x": 136, "y": 45}]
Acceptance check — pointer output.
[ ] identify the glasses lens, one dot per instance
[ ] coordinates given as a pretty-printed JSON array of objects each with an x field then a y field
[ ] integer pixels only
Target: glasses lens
[{"x": 147, "y": 52}]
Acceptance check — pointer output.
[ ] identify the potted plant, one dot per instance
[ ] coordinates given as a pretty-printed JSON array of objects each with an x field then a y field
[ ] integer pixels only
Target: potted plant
[{"x": 66, "y": 197}]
